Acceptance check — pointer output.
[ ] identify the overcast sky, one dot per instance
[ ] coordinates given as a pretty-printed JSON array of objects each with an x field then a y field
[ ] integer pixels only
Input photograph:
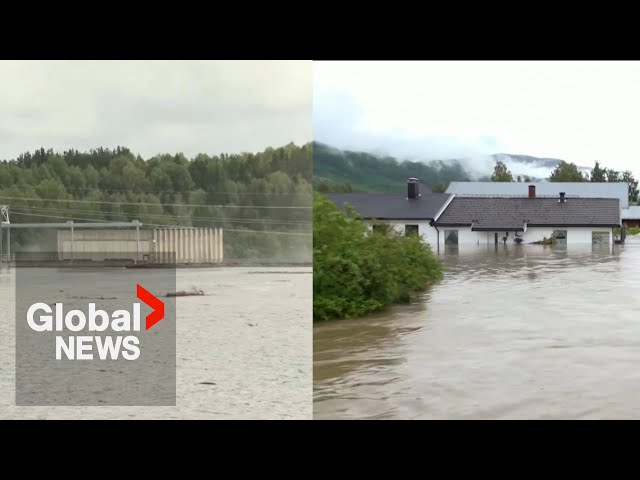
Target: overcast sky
[
  {"x": 154, "y": 107},
  {"x": 575, "y": 111}
]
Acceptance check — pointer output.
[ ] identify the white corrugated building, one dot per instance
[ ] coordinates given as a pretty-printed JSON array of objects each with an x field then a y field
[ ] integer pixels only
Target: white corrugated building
[{"x": 158, "y": 245}]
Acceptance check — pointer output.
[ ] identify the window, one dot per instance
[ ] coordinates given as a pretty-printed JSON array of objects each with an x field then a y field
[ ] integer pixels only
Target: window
[
  {"x": 560, "y": 237},
  {"x": 451, "y": 237},
  {"x": 411, "y": 230},
  {"x": 600, "y": 238},
  {"x": 382, "y": 228}
]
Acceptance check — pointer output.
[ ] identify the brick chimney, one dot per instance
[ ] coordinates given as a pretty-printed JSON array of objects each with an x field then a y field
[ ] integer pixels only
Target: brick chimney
[
  {"x": 413, "y": 188},
  {"x": 532, "y": 191}
]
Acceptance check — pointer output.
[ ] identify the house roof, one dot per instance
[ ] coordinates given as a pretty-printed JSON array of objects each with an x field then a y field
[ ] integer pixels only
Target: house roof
[
  {"x": 631, "y": 213},
  {"x": 512, "y": 213},
  {"x": 390, "y": 206},
  {"x": 617, "y": 190}
]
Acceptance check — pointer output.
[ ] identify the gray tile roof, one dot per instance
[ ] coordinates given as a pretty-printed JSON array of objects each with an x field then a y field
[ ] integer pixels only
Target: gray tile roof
[
  {"x": 618, "y": 190},
  {"x": 511, "y": 213},
  {"x": 389, "y": 206}
]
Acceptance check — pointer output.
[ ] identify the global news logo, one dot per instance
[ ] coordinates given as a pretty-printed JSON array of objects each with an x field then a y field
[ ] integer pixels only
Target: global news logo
[{"x": 118, "y": 332}]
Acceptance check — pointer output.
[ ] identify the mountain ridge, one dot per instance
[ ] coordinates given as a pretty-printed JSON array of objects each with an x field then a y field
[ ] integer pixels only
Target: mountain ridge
[{"x": 366, "y": 171}]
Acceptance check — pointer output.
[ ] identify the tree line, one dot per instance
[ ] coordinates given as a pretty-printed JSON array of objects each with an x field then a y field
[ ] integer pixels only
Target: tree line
[
  {"x": 262, "y": 199},
  {"x": 569, "y": 172}
]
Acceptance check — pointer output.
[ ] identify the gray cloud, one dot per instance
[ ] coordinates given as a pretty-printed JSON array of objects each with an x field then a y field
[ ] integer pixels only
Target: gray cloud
[{"x": 154, "y": 107}]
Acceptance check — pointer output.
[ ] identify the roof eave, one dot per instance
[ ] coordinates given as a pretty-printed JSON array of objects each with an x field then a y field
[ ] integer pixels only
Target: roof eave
[
  {"x": 598, "y": 225},
  {"x": 497, "y": 229}
]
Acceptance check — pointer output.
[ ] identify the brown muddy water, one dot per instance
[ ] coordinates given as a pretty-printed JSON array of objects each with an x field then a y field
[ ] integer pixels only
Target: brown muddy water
[
  {"x": 533, "y": 332},
  {"x": 244, "y": 349}
]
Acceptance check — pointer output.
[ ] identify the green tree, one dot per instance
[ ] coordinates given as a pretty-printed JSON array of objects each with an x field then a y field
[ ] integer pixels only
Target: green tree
[
  {"x": 598, "y": 174},
  {"x": 627, "y": 177},
  {"x": 501, "y": 173},
  {"x": 566, "y": 172},
  {"x": 613, "y": 176}
]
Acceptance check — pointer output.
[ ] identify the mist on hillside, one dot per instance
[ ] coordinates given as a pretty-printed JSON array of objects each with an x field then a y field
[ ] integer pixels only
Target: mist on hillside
[{"x": 340, "y": 124}]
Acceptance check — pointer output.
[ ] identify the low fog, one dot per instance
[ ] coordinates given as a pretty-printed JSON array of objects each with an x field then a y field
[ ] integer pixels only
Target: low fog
[{"x": 339, "y": 122}]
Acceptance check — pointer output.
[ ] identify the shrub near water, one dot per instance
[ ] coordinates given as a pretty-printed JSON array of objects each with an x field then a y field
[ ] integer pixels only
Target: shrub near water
[{"x": 356, "y": 272}]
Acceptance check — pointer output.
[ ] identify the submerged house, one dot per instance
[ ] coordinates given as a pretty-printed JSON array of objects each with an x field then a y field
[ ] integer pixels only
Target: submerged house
[
  {"x": 630, "y": 215},
  {"x": 410, "y": 212},
  {"x": 489, "y": 220},
  {"x": 450, "y": 219}
]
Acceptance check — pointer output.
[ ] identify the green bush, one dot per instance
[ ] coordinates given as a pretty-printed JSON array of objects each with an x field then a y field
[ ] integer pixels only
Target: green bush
[
  {"x": 356, "y": 271},
  {"x": 630, "y": 231}
]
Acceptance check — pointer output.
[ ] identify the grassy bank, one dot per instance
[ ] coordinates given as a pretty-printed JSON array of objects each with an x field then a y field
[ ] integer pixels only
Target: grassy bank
[{"x": 356, "y": 272}]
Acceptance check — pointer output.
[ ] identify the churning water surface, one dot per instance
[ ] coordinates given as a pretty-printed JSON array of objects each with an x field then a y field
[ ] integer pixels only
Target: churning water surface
[
  {"x": 243, "y": 348},
  {"x": 509, "y": 332}
]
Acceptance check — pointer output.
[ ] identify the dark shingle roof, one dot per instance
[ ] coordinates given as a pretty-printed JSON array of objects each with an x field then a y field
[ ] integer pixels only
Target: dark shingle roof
[
  {"x": 389, "y": 206},
  {"x": 513, "y": 213}
]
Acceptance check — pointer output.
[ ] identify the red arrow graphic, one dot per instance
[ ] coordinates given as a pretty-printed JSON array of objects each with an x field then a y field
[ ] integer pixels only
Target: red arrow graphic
[{"x": 155, "y": 303}]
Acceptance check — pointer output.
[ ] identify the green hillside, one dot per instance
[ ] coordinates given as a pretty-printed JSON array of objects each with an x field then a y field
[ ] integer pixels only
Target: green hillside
[{"x": 371, "y": 173}]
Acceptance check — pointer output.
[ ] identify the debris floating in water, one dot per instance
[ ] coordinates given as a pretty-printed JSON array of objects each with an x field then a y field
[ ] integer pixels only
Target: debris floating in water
[{"x": 186, "y": 293}]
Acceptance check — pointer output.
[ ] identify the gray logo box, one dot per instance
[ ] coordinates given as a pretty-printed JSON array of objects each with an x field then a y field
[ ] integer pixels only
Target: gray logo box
[{"x": 41, "y": 379}]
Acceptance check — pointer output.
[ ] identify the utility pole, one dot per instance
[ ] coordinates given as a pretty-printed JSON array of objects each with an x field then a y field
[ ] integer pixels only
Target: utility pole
[
  {"x": 72, "y": 245},
  {"x": 137, "y": 222},
  {"x": 4, "y": 218}
]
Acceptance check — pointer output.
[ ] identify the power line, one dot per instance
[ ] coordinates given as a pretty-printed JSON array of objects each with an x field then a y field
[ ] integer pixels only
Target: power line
[
  {"x": 152, "y": 204},
  {"x": 161, "y": 225},
  {"x": 141, "y": 192},
  {"x": 152, "y": 215}
]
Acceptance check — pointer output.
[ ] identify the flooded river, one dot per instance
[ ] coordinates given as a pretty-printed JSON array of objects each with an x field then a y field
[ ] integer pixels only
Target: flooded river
[
  {"x": 514, "y": 332},
  {"x": 243, "y": 350}
]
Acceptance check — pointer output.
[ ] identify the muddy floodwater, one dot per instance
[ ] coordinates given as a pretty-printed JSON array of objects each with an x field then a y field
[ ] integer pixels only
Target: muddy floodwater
[
  {"x": 244, "y": 348},
  {"x": 509, "y": 332}
]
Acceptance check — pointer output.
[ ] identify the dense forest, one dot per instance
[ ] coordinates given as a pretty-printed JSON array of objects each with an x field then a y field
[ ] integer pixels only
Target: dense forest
[
  {"x": 262, "y": 200},
  {"x": 339, "y": 170}
]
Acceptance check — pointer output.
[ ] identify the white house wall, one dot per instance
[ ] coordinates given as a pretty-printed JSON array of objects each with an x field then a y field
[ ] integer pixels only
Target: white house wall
[
  {"x": 428, "y": 233},
  {"x": 575, "y": 235}
]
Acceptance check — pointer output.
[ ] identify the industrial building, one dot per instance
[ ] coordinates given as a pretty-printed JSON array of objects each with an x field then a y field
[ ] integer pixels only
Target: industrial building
[{"x": 156, "y": 246}]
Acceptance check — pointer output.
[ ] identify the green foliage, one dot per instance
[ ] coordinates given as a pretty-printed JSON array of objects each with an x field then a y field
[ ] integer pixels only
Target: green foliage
[
  {"x": 566, "y": 172},
  {"x": 629, "y": 231},
  {"x": 439, "y": 187},
  {"x": 501, "y": 173},
  {"x": 356, "y": 272},
  {"x": 226, "y": 191},
  {"x": 609, "y": 175},
  {"x": 370, "y": 173},
  {"x": 627, "y": 177},
  {"x": 328, "y": 187},
  {"x": 598, "y": 174},
  {"x": 612, "y": 175}
]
